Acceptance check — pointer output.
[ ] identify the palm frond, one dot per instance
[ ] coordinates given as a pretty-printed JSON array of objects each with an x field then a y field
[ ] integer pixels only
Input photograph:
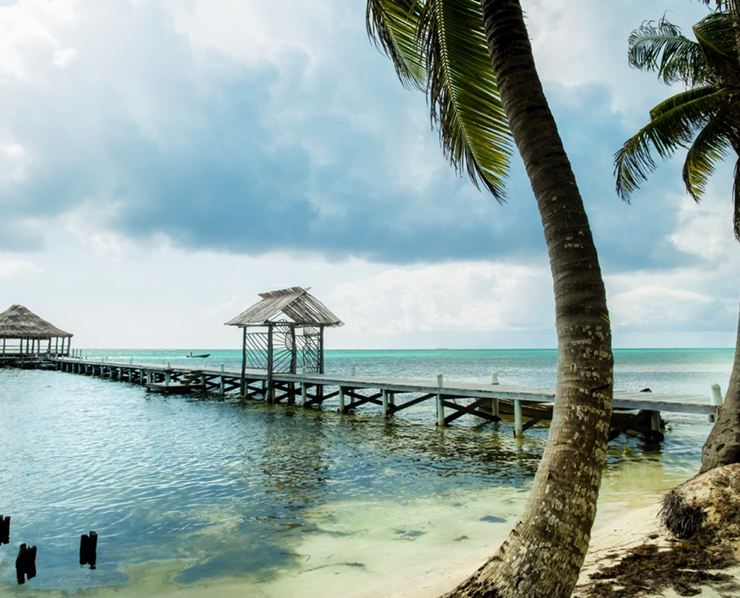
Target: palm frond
[
  {"x": 392, "y": 26},
  {"x": 711, "y": 145},
  {"x": 673, "y": 125},
  {"x": 463, "y": 95},
  {"x": 736, "y": 201},
  {"x": 715, "y": 35},
  {"x": 662, "y": 48}
]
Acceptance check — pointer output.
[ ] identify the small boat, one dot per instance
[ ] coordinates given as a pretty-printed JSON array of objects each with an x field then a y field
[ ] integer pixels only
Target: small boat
[{"x": 201, "y": 356}]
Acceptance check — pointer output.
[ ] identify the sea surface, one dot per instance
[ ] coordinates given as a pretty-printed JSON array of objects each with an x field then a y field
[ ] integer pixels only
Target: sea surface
[{"x": 272, "y": 495}]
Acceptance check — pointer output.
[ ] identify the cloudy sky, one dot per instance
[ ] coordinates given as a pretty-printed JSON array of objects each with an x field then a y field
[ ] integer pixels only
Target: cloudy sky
[{"x": 163, "y": 161}]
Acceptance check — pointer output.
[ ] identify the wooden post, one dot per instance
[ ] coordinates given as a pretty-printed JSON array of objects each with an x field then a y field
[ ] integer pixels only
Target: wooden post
[
  {"x": 494, "y": 408},
  {"x": 354, "y": 371},
  {"x": 494, "y": 378},
  {"x": 304, "y": 394},
  {"x": 221, "y": 381},
  {"x": 518, "y": 424},
  {"x": 716, "y": 401},
  {"x": 293, "y": 351},
  {"x": 321, "y": 349},
  {"x": 385, "y": 403},
  {"x": 270, "y": 396},
  {"x": 440, "y": 404},
  {"x": 244, "y": 363},
  {"x": 341, "y": 399}
]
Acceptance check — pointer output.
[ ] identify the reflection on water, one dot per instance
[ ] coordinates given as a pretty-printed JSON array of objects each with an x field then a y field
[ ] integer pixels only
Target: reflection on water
[{"x": 227, "y": 488}]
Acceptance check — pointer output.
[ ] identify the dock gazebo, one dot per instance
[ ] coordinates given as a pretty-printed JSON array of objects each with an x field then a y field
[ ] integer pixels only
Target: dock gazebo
[
  {"x": 284, "y": 333},
  {"x": 26, "y": 335}
]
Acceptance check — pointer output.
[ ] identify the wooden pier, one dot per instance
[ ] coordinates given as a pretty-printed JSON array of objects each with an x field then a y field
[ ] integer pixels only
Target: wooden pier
[{"x": 633, "y": 411}]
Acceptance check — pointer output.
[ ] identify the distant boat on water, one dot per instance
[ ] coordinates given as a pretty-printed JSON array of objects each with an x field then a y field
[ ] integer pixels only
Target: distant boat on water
[{"x": 201, "y": 356}]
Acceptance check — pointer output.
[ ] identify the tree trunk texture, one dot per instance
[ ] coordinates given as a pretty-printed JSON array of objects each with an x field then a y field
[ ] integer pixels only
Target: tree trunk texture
[
  {"x": 544, "y": 552},
  {"x": 723, "y": 444}
]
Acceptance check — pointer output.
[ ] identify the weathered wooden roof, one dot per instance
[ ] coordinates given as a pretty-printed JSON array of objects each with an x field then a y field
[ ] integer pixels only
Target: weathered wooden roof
[
  {"x": 20, "y": 322},
  {"x": 296, "y": 303}
]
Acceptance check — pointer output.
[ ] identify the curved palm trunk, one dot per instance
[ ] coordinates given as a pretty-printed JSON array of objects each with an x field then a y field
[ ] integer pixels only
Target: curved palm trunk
[
  {"x": 723, "y": 445},
  {"x": 544, "y": 552}
]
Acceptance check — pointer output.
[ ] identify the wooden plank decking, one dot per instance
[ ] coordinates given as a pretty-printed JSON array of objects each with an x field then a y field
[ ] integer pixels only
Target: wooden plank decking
[{"x": 484, "y": 400}]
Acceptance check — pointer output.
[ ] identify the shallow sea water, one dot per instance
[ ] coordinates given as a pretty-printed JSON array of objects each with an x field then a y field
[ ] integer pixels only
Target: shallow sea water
[{"x": 285, "y": 499}]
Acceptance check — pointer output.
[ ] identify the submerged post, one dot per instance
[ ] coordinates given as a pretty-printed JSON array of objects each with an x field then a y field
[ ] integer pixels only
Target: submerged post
[{"x": 518, "y": 423}]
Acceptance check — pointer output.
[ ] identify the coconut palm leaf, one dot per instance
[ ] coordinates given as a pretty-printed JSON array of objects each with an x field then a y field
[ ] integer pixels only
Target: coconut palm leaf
[
  {"x": 715, "y": 35},
  {"x": 736, "y": 201},
  {"x": 447, "y": 38},
  {"x": 712, "y": 144},
  {"x": 673, "y": 125},
  {"x": 392, "y": 26},
  {"x": 661, "y": 47}
]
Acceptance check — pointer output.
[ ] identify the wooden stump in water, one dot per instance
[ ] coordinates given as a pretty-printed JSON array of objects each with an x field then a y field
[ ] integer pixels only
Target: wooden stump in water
[
  {"x": 88, "y": 549},
  {"x": 4, "y": 530}
]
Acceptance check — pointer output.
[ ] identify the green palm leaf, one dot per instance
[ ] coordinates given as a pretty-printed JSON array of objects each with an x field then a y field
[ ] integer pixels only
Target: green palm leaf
[
  {"x": 712, "y": 144},
  {"x": 447, "y": 38},
  {"x": 736, "y": 201},
  {"x": 715, "y": 35},
  {"x": 672, "y": 126},
  {"x": 392, "y": 26},
  {"x": 662, "y": 48}
]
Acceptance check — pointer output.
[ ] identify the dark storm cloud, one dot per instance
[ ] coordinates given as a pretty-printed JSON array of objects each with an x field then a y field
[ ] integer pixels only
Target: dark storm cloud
[{"x": 290, "y": 155}]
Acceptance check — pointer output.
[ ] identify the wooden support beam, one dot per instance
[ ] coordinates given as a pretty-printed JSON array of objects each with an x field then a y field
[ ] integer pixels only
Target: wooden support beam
[{"x": 546, "y": 414}]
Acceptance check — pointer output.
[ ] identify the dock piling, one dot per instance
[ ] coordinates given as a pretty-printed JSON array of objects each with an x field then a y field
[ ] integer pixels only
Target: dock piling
[
  {"x": 716, "y": 402},
  {"x": 518, "y": 423}
]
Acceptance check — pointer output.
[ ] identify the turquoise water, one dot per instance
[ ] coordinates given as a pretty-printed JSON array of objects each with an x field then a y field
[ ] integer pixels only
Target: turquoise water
[{"x": 231, "y": 489}]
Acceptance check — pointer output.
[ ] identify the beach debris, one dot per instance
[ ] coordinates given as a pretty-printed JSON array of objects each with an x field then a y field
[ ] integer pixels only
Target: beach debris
[
  {"x": 698, "y": 549},
  {"x": 25, "y": 563},
  {"x": 88, "y": 549},
  {"x": 4, "y": 530}
]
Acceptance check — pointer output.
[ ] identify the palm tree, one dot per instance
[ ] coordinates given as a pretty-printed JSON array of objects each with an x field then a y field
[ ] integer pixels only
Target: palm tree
[
  {"x": 705, "y": 118},
  {"x": 474, "y": 60}
]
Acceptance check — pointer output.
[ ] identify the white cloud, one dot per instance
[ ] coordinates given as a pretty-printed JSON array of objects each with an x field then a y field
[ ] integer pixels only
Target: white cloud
[
  {"x": 456, "y": 298},
  {"x": 10, "y": 267}
]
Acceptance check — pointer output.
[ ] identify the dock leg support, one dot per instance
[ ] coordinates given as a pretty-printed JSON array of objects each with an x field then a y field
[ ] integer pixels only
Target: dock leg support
[
  {"x": 385, "y": 404},
  {"x": 518, "y": 424},
  {"x": 494, "y": 408},
  {"x": 341, "y": 399},
  {"x": 440, "y": 412}
]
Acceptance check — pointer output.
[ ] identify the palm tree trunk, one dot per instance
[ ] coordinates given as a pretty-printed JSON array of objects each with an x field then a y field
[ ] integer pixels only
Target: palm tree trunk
[
  {"x": 723, "y": 445},
  {"x": 544, "y": 552}
]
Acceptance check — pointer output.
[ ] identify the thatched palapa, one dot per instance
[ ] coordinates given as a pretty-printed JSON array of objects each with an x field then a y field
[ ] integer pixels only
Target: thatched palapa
[
  {"x": 24, "y": 333},
  {"x": 287, "y": 332}
]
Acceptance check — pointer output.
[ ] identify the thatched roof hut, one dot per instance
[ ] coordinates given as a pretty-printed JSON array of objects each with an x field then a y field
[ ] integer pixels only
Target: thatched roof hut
[
  {"x": 22, "y": 332},
  {"x": 284, "y": 332},
  {"x": 297, "y": 304}
]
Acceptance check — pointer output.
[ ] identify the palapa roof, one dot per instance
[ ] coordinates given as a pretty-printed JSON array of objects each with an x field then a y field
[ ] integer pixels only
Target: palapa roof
[
  {"x": 296, "y": 303},
  {"x": 20, "y": 322}
]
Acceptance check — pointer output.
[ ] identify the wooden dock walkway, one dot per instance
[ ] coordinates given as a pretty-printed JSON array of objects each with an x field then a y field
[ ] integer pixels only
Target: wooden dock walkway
[{"x": 634, "y": 411}]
